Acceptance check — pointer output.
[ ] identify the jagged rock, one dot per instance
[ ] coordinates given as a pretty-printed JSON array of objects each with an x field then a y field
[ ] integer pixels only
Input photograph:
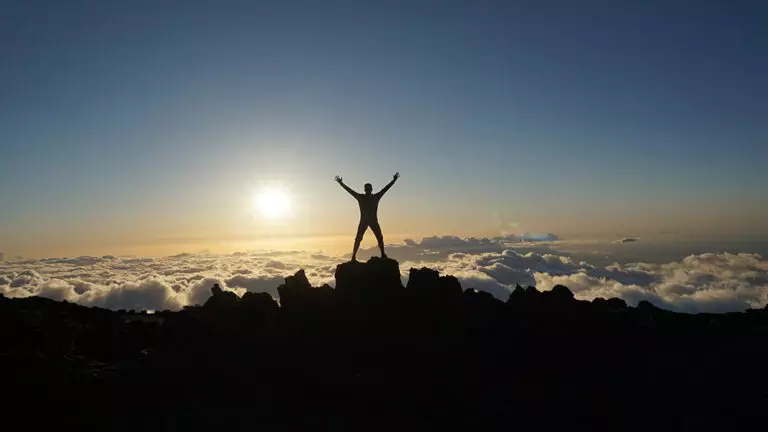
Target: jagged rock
[
  {"x": 561, "y": 292},
  {"x": 517, "y": 296},
  {"x": 449, "y": 286},
  {"x": 482, "y": 310},
  {"x": 531, "y": 292},
  {"x": 481, "y": 299},
  {"x": 599, "y": 302},
  {"x": 423, "y": 278},
  {"x": 295, "y": 288},
  {"x": 560, "y": 296},
  {"x": 426, "y": 282},
  {"x": 298, "y": 281},
  {"x": 219, "y": 300},
  {"x": 298, "y": 296},
  {"x": 616, "y": 304},
  {"x": 259, "y": 303}
]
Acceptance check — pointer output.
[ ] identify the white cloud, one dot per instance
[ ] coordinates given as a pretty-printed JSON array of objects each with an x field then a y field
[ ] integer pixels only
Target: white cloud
[
  {"x": 722, "y": 282},
  {"x": 256, "y": 284},
  {"x": 56, "y": 289},
  {"x": 28, "y": 277},
  {"x": 698, "y": 283}
]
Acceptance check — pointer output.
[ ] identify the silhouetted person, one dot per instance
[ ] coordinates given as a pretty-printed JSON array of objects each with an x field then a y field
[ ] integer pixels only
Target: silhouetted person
[{"x": 369, "y": 204}]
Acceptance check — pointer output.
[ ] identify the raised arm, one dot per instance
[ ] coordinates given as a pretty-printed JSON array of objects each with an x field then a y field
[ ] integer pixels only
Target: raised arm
[
  {"x": 346, "y": 188},
  {"x": 389, "y": 185}
]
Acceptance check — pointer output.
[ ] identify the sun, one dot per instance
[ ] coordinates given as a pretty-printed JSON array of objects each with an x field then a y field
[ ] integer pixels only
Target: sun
[{"x": 273, "y": 203}]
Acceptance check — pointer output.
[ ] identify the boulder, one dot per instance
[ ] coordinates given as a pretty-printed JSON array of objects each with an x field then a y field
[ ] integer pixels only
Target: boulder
[{"x": 377, "y": 276}]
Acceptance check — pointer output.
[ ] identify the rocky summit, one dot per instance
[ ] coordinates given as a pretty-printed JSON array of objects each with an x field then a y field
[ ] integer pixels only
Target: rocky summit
[{"x": 372, "y": 354}]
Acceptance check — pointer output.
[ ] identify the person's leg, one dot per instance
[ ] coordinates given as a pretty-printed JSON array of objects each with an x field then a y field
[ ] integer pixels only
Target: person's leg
[
  {"x": 379, "y": 238},
  {"x": 361, "y": 227}
]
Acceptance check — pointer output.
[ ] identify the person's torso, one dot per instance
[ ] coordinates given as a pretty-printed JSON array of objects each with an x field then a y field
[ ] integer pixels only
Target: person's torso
[{"x": 369, "y": 205}]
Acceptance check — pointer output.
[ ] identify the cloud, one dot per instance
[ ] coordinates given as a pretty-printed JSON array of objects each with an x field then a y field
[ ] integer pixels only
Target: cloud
[
  {"x": 710, "y": 282},
  {"x": 154, "y": 294},
  {"x": 79, "y": 261},
  {"x": 56, "y": 289},
  {"x": 149, "y": 283},
  {"x": 256, "y": 284},
  {"x": 28, "y": 277}
]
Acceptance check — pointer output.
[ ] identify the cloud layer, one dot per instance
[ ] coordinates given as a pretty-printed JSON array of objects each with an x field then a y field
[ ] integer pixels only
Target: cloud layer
[
  {"x": 710, "y": 282},
  {"x": 157, "y": 283}
]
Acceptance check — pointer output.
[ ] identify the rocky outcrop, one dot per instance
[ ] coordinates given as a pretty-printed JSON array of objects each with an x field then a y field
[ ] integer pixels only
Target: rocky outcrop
[
  {"x": 373, "y": 354},
  {"x": 377, "y": 277}
]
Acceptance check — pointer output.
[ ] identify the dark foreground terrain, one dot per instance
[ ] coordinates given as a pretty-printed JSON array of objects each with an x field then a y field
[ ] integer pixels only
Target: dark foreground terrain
[{"x": 374, "y": 355}]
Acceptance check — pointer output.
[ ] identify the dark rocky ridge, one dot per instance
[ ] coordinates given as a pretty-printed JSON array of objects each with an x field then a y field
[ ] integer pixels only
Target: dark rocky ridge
[{"x": 372, "y": 354}]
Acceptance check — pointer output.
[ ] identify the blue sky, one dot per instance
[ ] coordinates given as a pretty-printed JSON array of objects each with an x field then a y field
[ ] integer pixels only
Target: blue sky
[{"x": 142, "y": 121}]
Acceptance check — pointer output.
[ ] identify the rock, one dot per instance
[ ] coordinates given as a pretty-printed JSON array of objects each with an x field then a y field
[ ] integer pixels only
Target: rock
[
  {"x": 616, "y": 304},
  {"x": 482, "y": 311},
  {"x": 599, "y": 302},
  {"x": 425, "y": 282},
  {"x": 517, "y": 296},
  {"x": 350, "y": 276},
  {"x": 298, "y": 280},
  {"x": 531, "y": 292},
  {"x": 295, "y": 290},
  {"x": 259, "y": 303},
  {"x": 449, "y": 286},
  {"x": 297, "y": 296},
  {"x": 423, "y": 278},
  {"x": 219, "y": 300},
  {"x": 378, "y": 276},
  {"x": 561, "y": 292}
]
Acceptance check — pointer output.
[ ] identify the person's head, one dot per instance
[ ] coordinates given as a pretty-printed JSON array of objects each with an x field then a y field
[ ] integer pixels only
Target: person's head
[{"x": 368, "y": 188}]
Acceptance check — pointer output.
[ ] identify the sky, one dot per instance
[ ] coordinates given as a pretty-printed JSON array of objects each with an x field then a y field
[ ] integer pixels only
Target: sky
[{"x": 148, "y": 127}]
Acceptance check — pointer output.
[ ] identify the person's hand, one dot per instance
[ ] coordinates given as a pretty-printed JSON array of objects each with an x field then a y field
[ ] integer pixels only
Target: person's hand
[
  {"x": 396, "y": 176},
  {"x": 338, "y": 179}
]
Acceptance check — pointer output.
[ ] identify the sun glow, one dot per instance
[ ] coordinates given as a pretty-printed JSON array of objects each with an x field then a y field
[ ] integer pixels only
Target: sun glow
[{"x": 273, "y": 203}]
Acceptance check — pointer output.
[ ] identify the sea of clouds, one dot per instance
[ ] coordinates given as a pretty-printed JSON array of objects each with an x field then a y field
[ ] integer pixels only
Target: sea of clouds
[{"x": 709, "y": 282}]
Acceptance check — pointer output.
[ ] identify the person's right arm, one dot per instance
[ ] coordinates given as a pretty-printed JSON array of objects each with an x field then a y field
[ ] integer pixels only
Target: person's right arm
[{"x": 346, "y": 188}]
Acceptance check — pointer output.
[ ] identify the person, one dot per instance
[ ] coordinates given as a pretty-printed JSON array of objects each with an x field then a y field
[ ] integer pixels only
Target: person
[{"x": 369, "y": 205}]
